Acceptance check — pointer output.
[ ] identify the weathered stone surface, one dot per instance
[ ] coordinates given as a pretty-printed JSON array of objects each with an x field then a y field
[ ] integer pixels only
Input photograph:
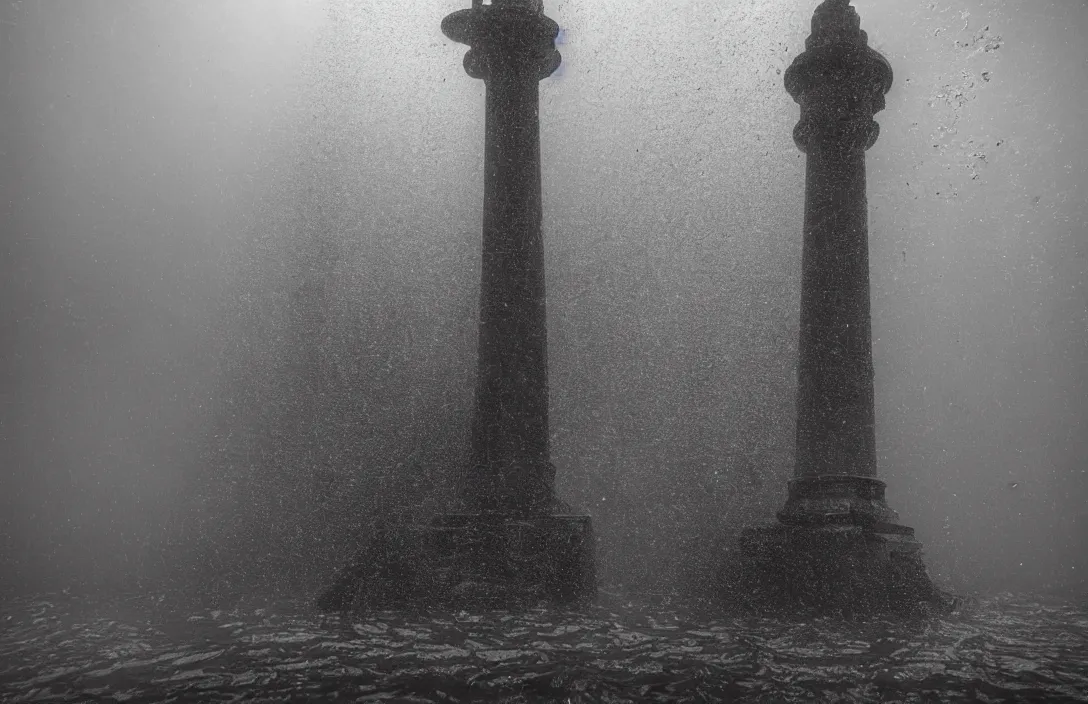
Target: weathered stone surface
[
  {"x": 839, "y": 82},
  {"x": 840, "y": 570},
  {"x": 511, "y": 47},
  {"x": 837, "y": 547},
  {"x": 471, "y": 561},
  {"x": 837, "y": 499}
]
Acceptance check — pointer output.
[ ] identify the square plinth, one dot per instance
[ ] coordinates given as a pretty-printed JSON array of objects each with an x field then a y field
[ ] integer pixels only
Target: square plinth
[
  {"x": 470, "y": 561},
  {"x": 848, "y": 570}
]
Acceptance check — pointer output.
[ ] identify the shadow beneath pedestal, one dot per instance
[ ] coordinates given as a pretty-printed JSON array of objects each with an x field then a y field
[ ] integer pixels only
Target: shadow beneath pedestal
[
  {"x": 839, "y": 570},
  {"x": 468, "y": 561}
]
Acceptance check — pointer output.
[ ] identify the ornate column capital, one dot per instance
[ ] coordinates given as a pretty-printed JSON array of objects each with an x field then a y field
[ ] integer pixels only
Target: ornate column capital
[
  {"x": 839, "y": 82},
  {"x": 514, "y": 34}
]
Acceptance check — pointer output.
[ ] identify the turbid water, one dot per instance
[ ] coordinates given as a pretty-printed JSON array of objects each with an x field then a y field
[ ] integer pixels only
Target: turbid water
[{"x": 138, "y": 649}]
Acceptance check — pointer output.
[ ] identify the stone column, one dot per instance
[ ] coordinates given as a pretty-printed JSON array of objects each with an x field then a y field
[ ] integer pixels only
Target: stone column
[
  {"x": 836, "y": 546},
  {"x": 839, "y": 83},
  {"x": 512, "y": 48},
  {"x": 512, "y": 543}
]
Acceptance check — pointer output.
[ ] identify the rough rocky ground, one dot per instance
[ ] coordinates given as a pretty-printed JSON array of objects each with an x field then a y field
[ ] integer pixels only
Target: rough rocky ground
[{"x": 1008, "y": 648}]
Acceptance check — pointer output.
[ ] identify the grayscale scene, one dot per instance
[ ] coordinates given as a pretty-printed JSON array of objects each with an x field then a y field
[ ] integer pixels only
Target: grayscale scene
[{"x": 543, "y": 351}]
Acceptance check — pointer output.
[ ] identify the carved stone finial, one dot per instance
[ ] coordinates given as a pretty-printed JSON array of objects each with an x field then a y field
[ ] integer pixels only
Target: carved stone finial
[
  {"x": 839, "y": 81},
  {"x": 836, "y": 22},
  {"x": 513, "y": 32}
]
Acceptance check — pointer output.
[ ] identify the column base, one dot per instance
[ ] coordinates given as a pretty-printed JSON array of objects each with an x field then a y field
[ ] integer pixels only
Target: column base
[
  {"x": 846, "y": 570},
  {"x": 837, "y": 499},
  {"x": 466, "y": 561}
]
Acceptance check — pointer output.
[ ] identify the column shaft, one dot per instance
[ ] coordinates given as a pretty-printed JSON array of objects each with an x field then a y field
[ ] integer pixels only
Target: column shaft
[
  {"x": 511, "y": 472},
  {"x": 835, "y": 417},
  {"x": 839, "y": 83}
]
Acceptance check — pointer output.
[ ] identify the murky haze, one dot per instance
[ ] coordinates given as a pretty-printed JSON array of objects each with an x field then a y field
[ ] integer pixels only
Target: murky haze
[{"x": 240, "y": 268}]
